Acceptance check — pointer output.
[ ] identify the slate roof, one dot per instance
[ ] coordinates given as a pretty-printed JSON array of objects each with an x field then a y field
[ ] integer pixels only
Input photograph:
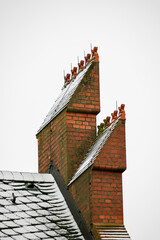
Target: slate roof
[
  {"x": 94, "y": 151},
  {"x": 32, "y": 207},
  {"x": 113, "y": 232},
  {"x": 64, "y": 97}
]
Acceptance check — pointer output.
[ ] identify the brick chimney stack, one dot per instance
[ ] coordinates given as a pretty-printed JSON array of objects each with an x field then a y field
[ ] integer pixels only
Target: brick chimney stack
[
  {"x": 90, "y": 165},
  {"x": 101, "y": 175},
  {"x": 66, "y": 138}
]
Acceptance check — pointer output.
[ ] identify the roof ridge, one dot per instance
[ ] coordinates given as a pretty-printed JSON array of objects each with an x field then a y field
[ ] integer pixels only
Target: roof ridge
[
  {"x": 62, "y": 102},
  {"x": 76, "y": 77},
  {"x": 26, "y": 176}
]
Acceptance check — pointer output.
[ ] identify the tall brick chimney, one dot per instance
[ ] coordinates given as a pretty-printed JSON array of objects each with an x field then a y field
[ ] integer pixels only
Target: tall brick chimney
[
  {"x": 90, "y": 165},
  {"x": 70, "y": 127}
]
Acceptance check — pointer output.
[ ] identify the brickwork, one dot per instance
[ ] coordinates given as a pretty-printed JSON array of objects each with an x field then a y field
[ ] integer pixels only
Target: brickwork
[
  {"x": 52, "y": 145},
  {"x": 106, "y": 197},
  {"x": 113, "y": 154},
  {"x": 107, "y": 204},
  {"x": 81, "y": 132},
  {"x": 86, "y": 97},
  {"x": 80, "y": 191},
  {"x": 67, "y": 138}
]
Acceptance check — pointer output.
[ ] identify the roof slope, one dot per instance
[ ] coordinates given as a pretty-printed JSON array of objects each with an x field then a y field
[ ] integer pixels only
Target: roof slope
[
  {"x": 94, "y": 151},
  {"x": 32, "y": 207},
  {"x": 64, "y": 97},
  {"x": 113, "y": 232}
]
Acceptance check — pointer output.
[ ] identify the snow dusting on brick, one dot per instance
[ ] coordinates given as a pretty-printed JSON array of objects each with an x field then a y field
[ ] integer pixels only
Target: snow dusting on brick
[
  {"x": 64, "y": 97},
  {"x": 94, "y": 151}
]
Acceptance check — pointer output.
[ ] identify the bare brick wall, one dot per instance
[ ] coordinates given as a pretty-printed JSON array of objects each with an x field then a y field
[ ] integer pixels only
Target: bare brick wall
[
  {"x": 113, "y": 154},
  {"x": 68, "y": 137},
  {"x": 106, "y": 183},
  {"x": 81, "y": 118},
  {"x": 80, "y": 190},
  {"x": 106, "y": 197},
  {"x": 81, "y": 132},
  {"x": 86, "y": 97},
  {"x": 105, "y": 191},
  {"x": 52, "y": 145}
]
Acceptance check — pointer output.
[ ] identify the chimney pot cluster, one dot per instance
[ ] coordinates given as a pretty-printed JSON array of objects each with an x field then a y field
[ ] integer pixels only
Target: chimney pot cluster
[
  {"x": 115, "y": 115},
  {"x": 81, "y": 66}
]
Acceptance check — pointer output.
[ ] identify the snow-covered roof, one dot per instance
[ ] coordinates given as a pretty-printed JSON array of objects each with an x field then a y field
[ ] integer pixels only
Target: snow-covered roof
[
  {"x": 113, "y": 232},
  {"x": 32, "y": 207},
  {"x": 64, "y": 97},
  {"x": 94, "y": 151}
]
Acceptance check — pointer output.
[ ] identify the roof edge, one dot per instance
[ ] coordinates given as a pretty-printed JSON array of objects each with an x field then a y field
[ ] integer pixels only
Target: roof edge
[
  {"x": 80, "y": 75},
  {"x": 108, "y": 130},
  {"x": 70, "y": 202},
  {"x": 25, "y": 176}
]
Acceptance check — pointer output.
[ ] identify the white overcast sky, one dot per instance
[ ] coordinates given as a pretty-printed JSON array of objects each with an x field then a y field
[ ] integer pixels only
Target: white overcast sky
[{"x": 41, "y": 38}]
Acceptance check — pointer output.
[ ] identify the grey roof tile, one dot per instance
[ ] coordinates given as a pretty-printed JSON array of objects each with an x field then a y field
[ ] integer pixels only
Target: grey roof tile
[
  {"x": 21, "y": 230},
  {"x": 52, "y": 233},
  {"x": 27, "y": 177},
  {"x": 41, "y": 235},
  {"x": 52, "y": 225},
  {"x": 42, "y": 227},
  {"x": 5, "y": 187},
  {"x": 32, "y": 221},
  {"x": 45, "y": 197},
  {"x": 1, "y": 175},
  {"x": 2, "y": 225},
  {"x": 44, "y": 205},
  {"x": 21, "y": 222},
  {"x": 9, "y": 232},
  {"x": 11, "y": 216},
  {"x": 17, "y": 176},
  {"x": 23, "y": 200},
  {"x": 34, "y": 213},
  {"x": 19, "y": 237},
  {"x": 33, "y": 206},
  {"x": 2, "y": 235},
  {"x": 33, "y": 199},
  {"x": 10, "y": 224},
  {"x": 3, "y": 210},
  {"x": 30, "y": 236},
  {"x": 64, "y": 97},
  {"x": 12, "y": 208},
  {"x": 7, "y": 238},
  {"x": 22, "y": 214},
  {"x": 42, "y": 219},
  {"x": 43, "y": 212},
  {"x": 5, "y": 194},
  {"x": 25, "y": 193},
  {"x": 47, "y": 178},
  {"x": 24, "y": 207},
  {"x": 3, "y": 218},
  {"x": 7, "y": 175},
  {"x": 31, "y": 229},
  {"x": 4, "y": 202}
]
